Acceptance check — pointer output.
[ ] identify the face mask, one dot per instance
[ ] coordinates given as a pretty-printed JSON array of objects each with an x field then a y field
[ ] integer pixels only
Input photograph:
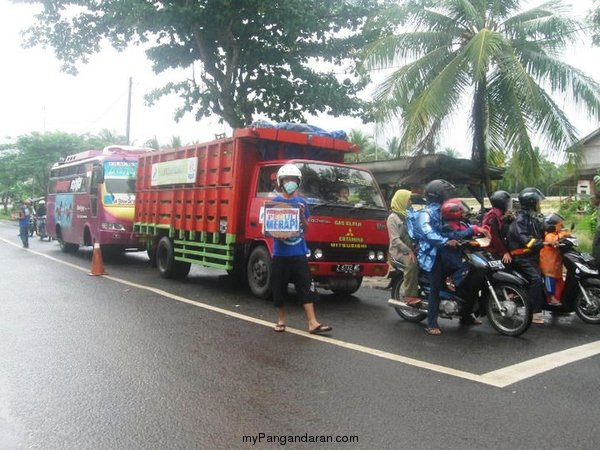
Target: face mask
[{"x": 290, "y": 187}]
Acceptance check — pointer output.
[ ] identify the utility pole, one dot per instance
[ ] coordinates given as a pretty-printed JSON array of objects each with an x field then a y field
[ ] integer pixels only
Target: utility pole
[{"x": 128, "y": 110}]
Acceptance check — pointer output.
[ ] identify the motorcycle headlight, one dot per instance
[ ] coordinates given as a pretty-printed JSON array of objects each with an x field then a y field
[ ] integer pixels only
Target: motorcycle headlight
[{"x": 586, "y": 269}]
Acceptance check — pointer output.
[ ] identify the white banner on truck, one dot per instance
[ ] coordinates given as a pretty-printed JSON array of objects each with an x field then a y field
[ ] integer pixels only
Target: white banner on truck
[{"x": 180, "y": 171}]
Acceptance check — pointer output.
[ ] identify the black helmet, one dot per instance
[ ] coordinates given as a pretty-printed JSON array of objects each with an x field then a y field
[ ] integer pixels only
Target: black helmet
[
  {"x": 501, "y": 200},
  {"x": 437, "y": 191},
  {"x": 552, "y": 220},
  {"x": 530, "y": 197}
]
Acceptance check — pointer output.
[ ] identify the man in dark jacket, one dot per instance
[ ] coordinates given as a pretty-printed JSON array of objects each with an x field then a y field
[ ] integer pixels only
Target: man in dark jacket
[{"x": 525, "y": 239}]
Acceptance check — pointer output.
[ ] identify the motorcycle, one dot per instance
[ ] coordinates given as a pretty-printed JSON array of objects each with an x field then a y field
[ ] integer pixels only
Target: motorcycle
[
  {"x": 502, "y": 296},
  {"x": 32, "y": 224},
  {"x": 581, "y": 292},
  {"x": 41, "y": 228}
]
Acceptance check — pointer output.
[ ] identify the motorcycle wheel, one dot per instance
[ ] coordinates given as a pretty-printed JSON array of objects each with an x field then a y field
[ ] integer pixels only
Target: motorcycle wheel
[
  {"x": 589, "y": 313},
  {"x": 410, "y": 315},
  {"x": 515, "y": 306}
]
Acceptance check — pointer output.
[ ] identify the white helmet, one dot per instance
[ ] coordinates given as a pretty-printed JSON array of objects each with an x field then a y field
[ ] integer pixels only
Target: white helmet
[
  {"x": 288, "y": 170},
  {"x": 42, "y": 202}
]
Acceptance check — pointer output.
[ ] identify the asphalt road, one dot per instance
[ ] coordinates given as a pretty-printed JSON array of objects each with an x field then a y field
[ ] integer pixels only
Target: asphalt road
[{"x": 132, "y": 361}]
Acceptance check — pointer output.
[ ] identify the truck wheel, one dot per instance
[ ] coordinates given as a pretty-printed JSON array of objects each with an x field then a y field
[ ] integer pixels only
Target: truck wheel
[
  {"x": 165, "y": 261},
  {"x": 259, "y": 272},
  {"x": 352, "y": 288}
]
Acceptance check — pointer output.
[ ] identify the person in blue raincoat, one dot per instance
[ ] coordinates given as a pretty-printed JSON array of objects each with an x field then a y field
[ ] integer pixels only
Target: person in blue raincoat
[{"x": 428, "y": 233}]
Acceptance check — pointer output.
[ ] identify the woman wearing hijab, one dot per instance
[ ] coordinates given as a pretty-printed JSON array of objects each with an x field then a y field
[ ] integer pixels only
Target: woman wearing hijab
[{"x": 401, "y": 246}]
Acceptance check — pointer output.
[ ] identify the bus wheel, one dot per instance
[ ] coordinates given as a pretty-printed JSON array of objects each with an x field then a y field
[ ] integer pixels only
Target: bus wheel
[
  {"x": 66, "y": 247},
  {"x": 259, "y": 272},
  {"x": 165, "y": 261}
]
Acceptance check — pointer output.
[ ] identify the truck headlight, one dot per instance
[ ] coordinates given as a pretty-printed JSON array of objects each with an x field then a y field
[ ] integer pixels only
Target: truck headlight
[
  {"x": 372, "y": 255},
  {"x": 380, "y": 256},
  {"x": 318, "y": 253}
]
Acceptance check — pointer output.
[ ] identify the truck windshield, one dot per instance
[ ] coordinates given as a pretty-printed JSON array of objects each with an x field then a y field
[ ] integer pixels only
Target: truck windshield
[{"x": 331, "y": 184}]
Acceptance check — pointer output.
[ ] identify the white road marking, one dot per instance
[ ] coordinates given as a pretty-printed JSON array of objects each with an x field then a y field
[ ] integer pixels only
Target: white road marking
[{"x": 497, "y": 378}]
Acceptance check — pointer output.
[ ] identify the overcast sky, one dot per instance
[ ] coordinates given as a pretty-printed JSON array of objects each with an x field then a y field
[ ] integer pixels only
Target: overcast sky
[{"x": 36, "y": 96}]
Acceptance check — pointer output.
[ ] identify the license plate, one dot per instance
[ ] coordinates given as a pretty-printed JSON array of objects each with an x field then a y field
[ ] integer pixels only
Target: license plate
[
  {"x": 347, "y": 268},
  {"x": 496, "y": 264}
]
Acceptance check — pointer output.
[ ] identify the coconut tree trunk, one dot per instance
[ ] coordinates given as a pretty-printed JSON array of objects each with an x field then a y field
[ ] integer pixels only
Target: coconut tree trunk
[{"x": 479, "y": 118}]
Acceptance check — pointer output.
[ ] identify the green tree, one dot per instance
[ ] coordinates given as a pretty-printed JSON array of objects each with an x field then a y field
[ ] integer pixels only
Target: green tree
[
  {"x": 9, "y": 176},
  {"x": 506, "y": 60},
  {"x": 369, "y": 150},
  {"x": 39, "y": 151},
  {"x": 24, "y": 167},
  {"x": 243, "y": 57}
]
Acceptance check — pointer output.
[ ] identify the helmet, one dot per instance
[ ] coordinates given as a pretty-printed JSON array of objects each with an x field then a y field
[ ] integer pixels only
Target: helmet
[
  {"x": 437, "y": 191},
  {"x": 288, "y": 170},
  {"x": 27, "y": 201},
  {"x": 530, "y": 197},
  {"x": 501, "y": 200},
  {"x": 553, "y": 222},
  {"x": 454, "y": 209},
  {"x": 42, "y": 202}
]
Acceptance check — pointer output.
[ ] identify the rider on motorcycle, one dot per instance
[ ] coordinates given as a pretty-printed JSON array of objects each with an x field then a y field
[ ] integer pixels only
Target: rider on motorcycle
[
  {"x": 432, "y": 241},
  {"x": 494, "y": 219},
  {"x": 525, "y": 239},
  {"x": 41, "y": 208}
]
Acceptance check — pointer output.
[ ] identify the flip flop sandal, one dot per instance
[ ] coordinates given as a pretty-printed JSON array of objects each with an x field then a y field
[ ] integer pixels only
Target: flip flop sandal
[
  {"x": 320, "y": 329},
  {"x": 279, "y": 328},
  {"x": 433, "y": 331}
]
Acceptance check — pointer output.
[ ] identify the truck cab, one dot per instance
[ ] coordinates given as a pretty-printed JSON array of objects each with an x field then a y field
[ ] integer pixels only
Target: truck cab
[{"x": 346, "y": 236}]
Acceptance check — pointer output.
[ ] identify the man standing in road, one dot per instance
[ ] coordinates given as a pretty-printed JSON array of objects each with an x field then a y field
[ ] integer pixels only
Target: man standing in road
[
  {"x": 24, "y": 217},
  {"x": 289, "y": 256}
]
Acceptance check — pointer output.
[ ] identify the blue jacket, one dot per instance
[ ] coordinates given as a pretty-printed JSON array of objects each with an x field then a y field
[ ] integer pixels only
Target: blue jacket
[{"x": 428, "y": 234}]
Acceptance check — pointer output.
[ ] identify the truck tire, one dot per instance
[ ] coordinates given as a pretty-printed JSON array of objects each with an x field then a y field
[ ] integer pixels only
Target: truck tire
[
  {"x": 165, "y": 261},
  {"x": 259, "y": 272}
]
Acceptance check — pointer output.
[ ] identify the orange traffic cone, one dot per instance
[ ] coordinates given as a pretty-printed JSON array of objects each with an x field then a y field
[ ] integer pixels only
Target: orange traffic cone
[{"x": 97, "y": 263}]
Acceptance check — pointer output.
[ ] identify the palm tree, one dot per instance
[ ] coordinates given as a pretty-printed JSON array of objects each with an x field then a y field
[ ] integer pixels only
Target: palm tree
[
  {"x": 449, "y": 151},
  {"x": 506, "y": 60}
]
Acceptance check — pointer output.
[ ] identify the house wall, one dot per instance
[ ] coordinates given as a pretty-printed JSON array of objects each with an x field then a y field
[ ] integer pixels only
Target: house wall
[{"x": 591, "y": 153}]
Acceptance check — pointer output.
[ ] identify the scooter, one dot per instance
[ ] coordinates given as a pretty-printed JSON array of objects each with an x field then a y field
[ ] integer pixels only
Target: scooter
[
  {"x": 581, "y": 292},
  {"x": 502, "y": 296}
]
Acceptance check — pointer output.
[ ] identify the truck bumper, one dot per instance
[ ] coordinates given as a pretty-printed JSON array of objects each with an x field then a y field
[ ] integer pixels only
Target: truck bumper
[{"x": 347, "y": 269}]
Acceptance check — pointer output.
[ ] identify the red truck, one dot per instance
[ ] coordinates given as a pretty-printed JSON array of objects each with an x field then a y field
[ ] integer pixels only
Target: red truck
[{"x": 204, "y": 204}]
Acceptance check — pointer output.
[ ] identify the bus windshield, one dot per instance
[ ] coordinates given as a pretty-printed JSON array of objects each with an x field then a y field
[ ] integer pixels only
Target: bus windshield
[
  {"x": 119, "y": 182},
  {"x": 119, "y": 185}
]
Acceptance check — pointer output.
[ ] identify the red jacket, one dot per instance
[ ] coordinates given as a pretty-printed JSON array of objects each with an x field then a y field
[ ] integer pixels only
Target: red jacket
[{"x": 493, "y": 220}]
